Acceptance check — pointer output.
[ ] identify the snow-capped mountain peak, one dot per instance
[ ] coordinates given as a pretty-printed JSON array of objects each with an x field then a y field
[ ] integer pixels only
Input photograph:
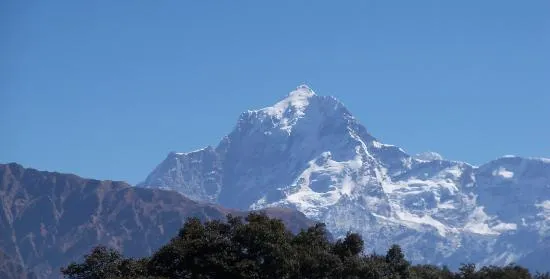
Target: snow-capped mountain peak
[
  {"x": 296, "y": 100},
  {"x": 286, "y": 113},
  {"x": 308, "y": 152}
]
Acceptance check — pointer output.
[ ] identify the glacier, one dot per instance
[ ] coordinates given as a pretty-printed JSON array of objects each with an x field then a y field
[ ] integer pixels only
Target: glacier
[{"x": 309, "y": 153}]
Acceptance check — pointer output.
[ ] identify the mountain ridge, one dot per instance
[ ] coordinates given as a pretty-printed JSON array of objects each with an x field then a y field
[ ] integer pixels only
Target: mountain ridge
[{"x": 48, "y": 219}]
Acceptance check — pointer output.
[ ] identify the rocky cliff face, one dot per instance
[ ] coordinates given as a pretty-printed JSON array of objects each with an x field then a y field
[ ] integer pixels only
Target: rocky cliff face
[
  {"x": 49, "y": 219},
  {"x": 10, "y": 268},
  {"x": 309, "y": 153}
]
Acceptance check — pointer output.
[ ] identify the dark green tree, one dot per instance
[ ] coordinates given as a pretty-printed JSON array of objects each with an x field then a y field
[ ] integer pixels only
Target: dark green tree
[
  {"x": 397, "y": 262},
  {"x": 313, "y": 254},
  {"x": 350, "y": 246},
  {"x": 103, "y": 262},
  {"x": 508, "y": 272},
  {"x": 467, "y": 271}
]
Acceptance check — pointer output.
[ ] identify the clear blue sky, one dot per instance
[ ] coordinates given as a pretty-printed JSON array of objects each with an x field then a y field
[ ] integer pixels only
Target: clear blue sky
[{"x": 106, "y": 89}]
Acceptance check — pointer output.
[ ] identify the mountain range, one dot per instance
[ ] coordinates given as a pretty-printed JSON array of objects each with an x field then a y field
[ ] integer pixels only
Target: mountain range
[
  {"x": 309, "y": 153},
  {"x": 48, "y": 219}
]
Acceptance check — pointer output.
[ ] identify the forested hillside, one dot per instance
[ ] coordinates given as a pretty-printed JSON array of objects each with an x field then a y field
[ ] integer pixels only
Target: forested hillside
[{"x": 261, "y": 247}]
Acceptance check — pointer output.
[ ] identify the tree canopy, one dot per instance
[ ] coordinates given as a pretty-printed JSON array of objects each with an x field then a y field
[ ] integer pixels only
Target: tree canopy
[{"x": 259, "y": 247}]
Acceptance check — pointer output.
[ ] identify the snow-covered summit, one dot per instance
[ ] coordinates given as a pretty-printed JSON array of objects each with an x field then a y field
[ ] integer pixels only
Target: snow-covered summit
[
  {"x": 296, "y": 101},
  {"x": 308, "y": 152},
  {"x": 288, "y": 112}
]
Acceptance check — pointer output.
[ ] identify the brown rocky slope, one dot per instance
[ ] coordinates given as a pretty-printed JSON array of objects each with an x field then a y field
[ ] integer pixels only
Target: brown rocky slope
[{"x": 48, "y": 219}]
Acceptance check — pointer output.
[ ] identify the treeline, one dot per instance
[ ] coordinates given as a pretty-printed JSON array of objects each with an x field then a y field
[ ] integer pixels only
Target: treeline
[{"x": 262, "y": 248}]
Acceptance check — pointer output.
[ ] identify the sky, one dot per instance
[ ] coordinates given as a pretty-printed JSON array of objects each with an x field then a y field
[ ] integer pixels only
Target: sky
[{"x": 105, "y": 89}]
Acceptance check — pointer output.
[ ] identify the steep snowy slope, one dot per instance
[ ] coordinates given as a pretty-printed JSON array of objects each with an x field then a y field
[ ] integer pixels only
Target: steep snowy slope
[{"x": 308, "y": 152}]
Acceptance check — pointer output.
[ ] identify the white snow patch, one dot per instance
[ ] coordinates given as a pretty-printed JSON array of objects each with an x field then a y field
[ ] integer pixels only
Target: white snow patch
[
  {"x": 502, "y": 227},
  {"x": 478, "y": 223},
  {"x": 545, "y": 205},
  {"x": 416, "y": 221},
  {"x": 190, "y": 152},
  {"x": 447, "y": 205},
  {"x": 541, "y": 159},
  {"x": 456, "y": 171},
  {"x": 428, "y": 156},
  {"x": 347, "y": 185},
  {"x": 545, "y": 209},
  {"x": 502, "y": 172}
]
